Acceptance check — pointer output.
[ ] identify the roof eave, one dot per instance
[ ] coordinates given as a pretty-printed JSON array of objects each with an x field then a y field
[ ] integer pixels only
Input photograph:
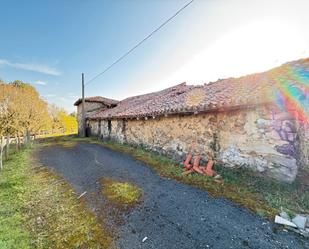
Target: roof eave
[{"x": 189, "y": 112}]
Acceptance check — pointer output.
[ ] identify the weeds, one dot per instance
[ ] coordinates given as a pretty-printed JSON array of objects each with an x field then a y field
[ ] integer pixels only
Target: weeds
[{"x": 123, "y": 193}]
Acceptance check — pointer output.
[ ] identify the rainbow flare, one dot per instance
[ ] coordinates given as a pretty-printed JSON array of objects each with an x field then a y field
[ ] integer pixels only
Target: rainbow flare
[{"x": 292, "y": 92}]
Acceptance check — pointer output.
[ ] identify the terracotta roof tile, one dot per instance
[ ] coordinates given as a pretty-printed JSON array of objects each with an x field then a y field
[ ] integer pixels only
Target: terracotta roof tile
[
  {"x": 227, "y": 93},
  {"x": 98, "y": 99}
]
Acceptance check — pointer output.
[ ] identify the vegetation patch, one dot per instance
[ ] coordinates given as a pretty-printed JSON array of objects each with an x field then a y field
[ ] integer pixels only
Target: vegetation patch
[
  {"x": 40, "y": 210},
  {"x": 66, "y": 141},
  {"x": 68, "y": 144},
  {"x": 123, "y": 193}
]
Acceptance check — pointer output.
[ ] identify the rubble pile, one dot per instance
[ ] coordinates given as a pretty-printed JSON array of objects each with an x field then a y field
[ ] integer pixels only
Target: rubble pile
[{"x": 299, "y": 223}]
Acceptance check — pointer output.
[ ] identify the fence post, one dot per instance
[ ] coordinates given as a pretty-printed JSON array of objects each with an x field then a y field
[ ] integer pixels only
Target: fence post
[
  {"x": 1, "y": 153},
  {"x": 16, "y": 143},
  {"x": 18, "y": 140},
  {"x": 28, "y": 143},
  {"x": 7, "y": 147}
]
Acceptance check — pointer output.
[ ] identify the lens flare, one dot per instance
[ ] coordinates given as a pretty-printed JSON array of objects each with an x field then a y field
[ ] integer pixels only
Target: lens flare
[{"x": 292, "y": 91}]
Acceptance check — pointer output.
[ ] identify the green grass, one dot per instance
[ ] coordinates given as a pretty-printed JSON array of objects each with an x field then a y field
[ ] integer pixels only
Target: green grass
[
  {"x": 38, "y": 209},
  {"x": 58, "y": 134},
  {"x": 123, "y": 193},
  {"x": 12, "y": 197},
  {"x": 263, "y": 196}
]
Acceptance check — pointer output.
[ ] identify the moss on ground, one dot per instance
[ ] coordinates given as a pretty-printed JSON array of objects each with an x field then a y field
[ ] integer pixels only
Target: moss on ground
[
  {"x": 68, "y": 142},
  {"x": 38, "y": 209},
  {"x": 123, "y": 193}
]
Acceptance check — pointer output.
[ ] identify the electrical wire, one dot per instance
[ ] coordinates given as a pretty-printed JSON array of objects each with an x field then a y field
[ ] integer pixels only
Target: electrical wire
[{"x": 139, "y": 43}]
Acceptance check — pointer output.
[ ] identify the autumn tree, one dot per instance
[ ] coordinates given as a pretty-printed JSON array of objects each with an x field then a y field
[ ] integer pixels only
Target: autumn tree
[
  {"x": 9, "y": 114},
  {"x": 61, "y": 120},
  {"x": 23, "y": 112},
  {"x": 33, "y": 112},
  {"x": 3, "y": 118}
]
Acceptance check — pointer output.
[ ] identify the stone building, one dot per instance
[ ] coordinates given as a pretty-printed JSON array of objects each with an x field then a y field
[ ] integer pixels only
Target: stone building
[
  {"x": 92, "y": 105},
  {"x": 258, "y": 121}
]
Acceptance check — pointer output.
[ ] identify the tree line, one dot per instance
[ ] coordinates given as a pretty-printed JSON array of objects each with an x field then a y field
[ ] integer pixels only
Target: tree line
[{"x": 24, "y": 114}]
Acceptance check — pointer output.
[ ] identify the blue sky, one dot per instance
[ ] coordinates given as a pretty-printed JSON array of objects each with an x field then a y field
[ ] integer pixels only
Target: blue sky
[{"x": 50, "y": 43}]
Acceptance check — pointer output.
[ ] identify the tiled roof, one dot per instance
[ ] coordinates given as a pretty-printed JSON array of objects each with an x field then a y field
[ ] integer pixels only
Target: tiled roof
[
  {"x": 223, "y": 94},
  {"x": 98, "y": 99}
]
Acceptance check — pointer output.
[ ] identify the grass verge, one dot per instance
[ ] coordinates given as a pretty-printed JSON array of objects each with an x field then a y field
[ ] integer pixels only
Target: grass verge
[{"x": 38, "y": 209}]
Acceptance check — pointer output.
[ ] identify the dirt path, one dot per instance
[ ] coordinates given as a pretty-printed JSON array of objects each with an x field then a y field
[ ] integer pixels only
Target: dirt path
[{"x": 171, "y": 214}]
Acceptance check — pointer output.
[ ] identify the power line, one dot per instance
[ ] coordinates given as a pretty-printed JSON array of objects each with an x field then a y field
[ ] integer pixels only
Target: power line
[{"x": 139, "y": 43}]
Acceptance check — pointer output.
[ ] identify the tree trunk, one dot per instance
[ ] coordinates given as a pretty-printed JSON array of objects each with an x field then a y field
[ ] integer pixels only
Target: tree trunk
[
  {"x": 7, "y": 147},
  {"x": 16, "y": 143},
  {"x": 28, "y": 138},
  {"x": 24, "y": 139},
  {"x": 18, "y": 140},
  {"x": 1, "y": 153}
]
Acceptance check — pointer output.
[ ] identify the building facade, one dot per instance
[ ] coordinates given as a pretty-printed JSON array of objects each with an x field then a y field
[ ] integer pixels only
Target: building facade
[
  {"x": 239, "y": 122},
  {"x": 92, "y": 105}
]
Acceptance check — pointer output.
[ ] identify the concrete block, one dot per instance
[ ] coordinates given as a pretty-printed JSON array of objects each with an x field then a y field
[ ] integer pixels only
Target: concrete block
[
  {"x": 300, "y": 221},
  {"x": 282, "y": 221}
]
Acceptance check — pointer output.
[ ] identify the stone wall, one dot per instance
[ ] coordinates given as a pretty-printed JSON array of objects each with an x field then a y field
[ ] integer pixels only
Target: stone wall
[
  {"x": 95, "y": 127},
  {"x": 262, "y": 139},
  {"x": 118, "y": 130},
  {"x": 105, "y": 134},
  {"x": 303, "y": 148},
  {"x": 89, "y": 107},
  {"x": 114, "y": 131},
  {"x": 175, "y": 135}
]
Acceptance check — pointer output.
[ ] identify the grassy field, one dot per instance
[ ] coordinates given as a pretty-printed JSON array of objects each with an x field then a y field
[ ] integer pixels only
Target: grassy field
[{"x": 38, "y": 209}]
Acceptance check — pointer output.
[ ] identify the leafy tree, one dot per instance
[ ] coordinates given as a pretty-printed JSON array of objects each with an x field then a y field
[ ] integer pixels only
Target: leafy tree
[
  {"x": 62, "y": 121},
  {"x": 22, "y": 111},
  {"x": 9, "y": 115}
]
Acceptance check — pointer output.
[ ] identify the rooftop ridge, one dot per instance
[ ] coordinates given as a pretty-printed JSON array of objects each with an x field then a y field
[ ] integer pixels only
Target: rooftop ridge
[{"x": 249, "y": 90}]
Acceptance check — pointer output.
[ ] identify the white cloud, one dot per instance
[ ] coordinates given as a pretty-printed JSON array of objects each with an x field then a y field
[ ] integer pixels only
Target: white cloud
[
  {"x": 40, "y": 82},
  {"x": 31, "y": 67}
]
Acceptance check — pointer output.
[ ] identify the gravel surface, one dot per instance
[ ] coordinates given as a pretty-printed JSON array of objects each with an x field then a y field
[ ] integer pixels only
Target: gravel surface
[{"x": 170, "y": 214}]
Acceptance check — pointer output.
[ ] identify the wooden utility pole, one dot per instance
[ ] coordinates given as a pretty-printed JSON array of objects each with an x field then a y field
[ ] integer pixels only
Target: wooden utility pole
[{"x": 83, "y": 108}]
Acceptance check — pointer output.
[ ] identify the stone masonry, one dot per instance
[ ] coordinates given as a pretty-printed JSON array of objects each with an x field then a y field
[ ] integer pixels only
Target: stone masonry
[{"x": 262, "y": 139}]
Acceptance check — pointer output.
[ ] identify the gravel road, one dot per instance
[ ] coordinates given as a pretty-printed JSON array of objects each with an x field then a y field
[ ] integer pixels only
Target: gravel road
[{"x": 171, "y": 214}]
